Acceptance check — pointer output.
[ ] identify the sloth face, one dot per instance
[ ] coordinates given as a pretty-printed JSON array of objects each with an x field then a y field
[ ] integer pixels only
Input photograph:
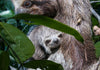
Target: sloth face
[
  {"x": 52, "y": 43},
  {"x": 40, "y": 7}
]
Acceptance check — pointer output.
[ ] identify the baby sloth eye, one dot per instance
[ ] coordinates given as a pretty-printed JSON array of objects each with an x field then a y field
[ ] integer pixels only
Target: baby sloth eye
[
  {"x": 60, "y": 35},
  {"x": 94, "y": 30},
  {"x": 27, "y": 4},
  {"x": 47, "y": 41}
]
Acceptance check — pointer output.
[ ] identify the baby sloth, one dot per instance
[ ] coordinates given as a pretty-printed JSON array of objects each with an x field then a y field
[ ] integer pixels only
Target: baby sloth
[
  {"x": 51, "y": 42},
  {"x": 96, "y": 30},
  {"x": 46, "y": 41}
]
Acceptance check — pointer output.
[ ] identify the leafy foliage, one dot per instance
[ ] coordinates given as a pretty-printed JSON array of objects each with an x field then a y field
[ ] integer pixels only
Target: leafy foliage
[
  {"x": 17, "y": 41},
  {"x": 7, "y": 10},
  {"x": 8, "y": 41},
  {"x": 4, "y": 61},
  {"x": 96, "y": 39},
  {"x": 96, "y": 7},
  {"x": 6, "y": 5},
  {"x": 7, "y": 13},
  {"x": 39, "y": 20},
  {"x": 44, "y": 65},
  {"x": 97, "y": 46},
  {"x": 94, "y": 21}
]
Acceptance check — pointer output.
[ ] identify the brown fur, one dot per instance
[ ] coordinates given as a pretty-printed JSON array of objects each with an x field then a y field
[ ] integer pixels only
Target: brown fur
[
  {"x": 76, "y": 14},
  {"x": 39, "y": 36}
]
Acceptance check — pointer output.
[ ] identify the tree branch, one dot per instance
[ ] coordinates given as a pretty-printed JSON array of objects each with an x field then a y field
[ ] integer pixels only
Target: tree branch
[
  {"x": 95, "y": 14},
  {"x": 94, "y": 1}
]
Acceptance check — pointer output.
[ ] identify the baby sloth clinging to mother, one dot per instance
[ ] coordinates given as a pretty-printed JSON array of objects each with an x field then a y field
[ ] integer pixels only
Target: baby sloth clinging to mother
[{"x": 46, "y": 41}]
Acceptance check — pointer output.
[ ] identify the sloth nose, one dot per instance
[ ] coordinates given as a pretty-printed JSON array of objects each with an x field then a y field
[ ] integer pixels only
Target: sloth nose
[{"x": 56, "y": 41}]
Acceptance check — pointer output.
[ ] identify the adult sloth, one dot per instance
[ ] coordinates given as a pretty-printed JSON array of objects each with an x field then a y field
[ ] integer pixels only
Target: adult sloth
[{"x": 75, "y": 13}]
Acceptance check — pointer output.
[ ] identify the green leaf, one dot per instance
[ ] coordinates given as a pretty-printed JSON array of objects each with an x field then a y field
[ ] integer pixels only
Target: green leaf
[
  {"x": 46, "y": 21},
  {"x": 1, "y": 51},
  {"x": 94, "y": 21},
  {"x": 43, "y": 64},
  {"x": 97, "y": 46},
  {"x": 17, "y": 40},
  {"x": 4, "y": 61},
  {"x": 12, "y": 21},
  {"x": 7, "y": 13},
  {"x": 13, "y": 63}
]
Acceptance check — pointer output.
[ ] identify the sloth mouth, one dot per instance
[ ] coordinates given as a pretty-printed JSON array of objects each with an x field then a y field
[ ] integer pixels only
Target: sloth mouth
[{"x": 53, "y": 50}]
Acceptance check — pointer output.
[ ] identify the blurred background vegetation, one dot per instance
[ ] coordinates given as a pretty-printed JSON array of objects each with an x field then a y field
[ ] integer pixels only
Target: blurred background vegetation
[
  {"x": 96, "y": 7},
  {"x": 7, "y": 6}
]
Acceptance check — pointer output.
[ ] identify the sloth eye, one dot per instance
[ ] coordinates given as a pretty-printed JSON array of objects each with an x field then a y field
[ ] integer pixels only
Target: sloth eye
[
  {"x": 94, "y": 30},
  {"x": 47, "y": 41},
  {"x": 27, "y": 4},
  {"x": 60, "y": 35}
]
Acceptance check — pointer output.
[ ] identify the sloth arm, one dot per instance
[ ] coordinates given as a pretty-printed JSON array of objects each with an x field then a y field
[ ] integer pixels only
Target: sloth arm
[{"x": 34, "y": 37}]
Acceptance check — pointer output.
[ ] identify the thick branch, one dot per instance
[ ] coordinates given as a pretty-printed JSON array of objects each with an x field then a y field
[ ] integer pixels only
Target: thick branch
[
  {"x": 94, "y": 1},
  {"x": 95, "y": 14}
]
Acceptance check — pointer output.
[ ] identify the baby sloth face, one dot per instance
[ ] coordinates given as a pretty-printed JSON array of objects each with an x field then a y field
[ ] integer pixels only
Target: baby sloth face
[{"x": 52, "y": 43}]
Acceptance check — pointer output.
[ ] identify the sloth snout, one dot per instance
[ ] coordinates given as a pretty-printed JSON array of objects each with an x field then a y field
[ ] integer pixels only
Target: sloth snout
[{"x": 56, "y": 41}]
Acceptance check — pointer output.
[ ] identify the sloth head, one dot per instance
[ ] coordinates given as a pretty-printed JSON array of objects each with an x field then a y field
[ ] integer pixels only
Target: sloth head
[
  {"x": 96, "y": 30},
  {"x": 52, "y": 43},
  {"x": 40, "y": 7}
]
